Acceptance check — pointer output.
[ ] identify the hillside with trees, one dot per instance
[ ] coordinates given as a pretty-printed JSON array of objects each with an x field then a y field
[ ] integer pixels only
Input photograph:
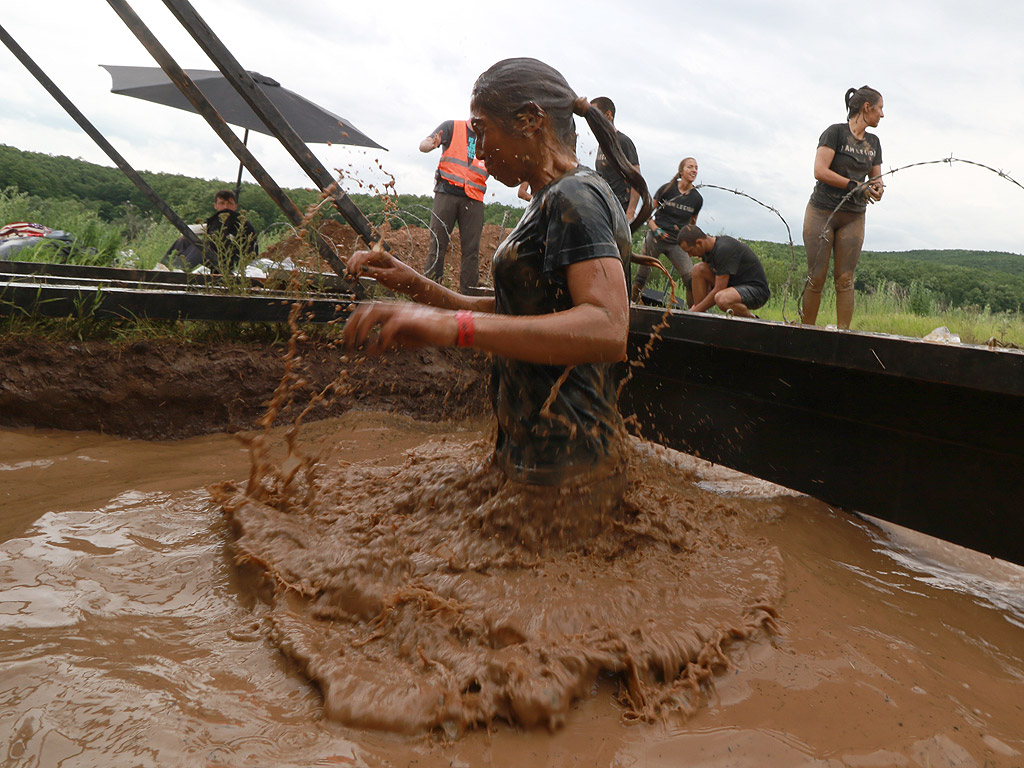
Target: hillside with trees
[
  {"x": 114, "y": 199},
  {"x": 82, "y": 197}
]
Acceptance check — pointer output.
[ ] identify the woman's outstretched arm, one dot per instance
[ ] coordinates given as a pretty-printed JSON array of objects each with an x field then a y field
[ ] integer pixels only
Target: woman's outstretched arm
[
  {"x": 400, "y": 277},
  {"x": 593, "y": 330}
]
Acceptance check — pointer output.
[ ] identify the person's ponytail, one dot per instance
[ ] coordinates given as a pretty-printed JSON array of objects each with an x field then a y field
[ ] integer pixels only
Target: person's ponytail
[
  {"x": 512, "y": 85},
  {"x": 606, "y": 136}
]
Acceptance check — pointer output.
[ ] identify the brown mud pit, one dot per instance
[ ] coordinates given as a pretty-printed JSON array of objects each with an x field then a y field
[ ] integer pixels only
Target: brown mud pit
[
  {"x": 392, "y": 575},
  {"x": 438, "y": 595}
]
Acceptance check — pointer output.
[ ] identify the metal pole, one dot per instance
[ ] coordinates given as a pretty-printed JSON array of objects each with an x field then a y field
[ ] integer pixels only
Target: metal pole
[
  {"x": 98, "y": 137},
  {"x": 272, "y": 117},
  {"x": 238, "y": 183},
  {"x": 202, "y": 105}
]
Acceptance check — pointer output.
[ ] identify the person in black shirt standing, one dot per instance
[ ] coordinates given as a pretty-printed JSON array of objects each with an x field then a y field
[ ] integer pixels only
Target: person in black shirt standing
[
  {"x": 677, "y": 204},
  {"x": 846, "y": 154},
  {"x": 627, "y": 196},
  {"x": 729, "y": 276}
]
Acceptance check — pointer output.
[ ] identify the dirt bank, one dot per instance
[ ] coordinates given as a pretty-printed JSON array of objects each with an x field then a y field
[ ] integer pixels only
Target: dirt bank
[
  {"x": 410, "y": 244},
  {"x": 163, "y": 389}
]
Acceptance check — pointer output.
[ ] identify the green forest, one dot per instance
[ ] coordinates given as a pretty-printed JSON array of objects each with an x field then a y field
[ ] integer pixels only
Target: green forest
[
  {"x": 105, "y": 211},
  {"x": 932, "y": 280},
  {"x": 109, "y": 194}
]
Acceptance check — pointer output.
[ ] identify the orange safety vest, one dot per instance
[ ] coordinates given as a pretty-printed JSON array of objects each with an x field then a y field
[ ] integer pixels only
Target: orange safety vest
[{"x": 458, "y": 168}]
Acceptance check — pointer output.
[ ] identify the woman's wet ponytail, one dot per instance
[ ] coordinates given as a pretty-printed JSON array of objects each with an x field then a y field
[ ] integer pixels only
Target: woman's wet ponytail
[{"x": 608, "y": 139}]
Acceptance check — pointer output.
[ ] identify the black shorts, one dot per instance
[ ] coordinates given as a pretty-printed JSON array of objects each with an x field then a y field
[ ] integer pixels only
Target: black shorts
[{"x": 752, "y": 296}]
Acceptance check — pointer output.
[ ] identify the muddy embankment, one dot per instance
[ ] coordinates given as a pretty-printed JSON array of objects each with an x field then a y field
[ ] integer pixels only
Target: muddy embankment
[{"x": 165, "y": 389}]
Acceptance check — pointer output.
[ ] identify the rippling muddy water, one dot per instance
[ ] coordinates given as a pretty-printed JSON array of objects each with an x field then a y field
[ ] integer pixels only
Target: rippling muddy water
[{"x": 128, "y": 635}]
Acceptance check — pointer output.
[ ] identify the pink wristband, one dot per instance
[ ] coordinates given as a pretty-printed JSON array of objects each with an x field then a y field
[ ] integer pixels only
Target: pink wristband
[{"x": 464, "y": 321}]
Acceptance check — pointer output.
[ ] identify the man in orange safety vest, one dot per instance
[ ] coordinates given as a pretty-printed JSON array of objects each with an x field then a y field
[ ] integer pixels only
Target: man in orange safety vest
[{"x": 459, "y": 186}]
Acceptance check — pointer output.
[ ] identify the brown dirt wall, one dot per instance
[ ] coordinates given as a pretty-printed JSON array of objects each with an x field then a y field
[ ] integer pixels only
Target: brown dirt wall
[
  {"x": 410, "y": 244},
  {"x": 163, "y": 389}
]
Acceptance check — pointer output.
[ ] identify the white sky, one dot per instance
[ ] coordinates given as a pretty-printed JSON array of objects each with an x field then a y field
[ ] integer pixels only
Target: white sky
[{"x": 745, "y": 87}]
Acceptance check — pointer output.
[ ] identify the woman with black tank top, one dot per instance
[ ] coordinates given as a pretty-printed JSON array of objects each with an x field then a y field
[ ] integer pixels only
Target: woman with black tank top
[
  {"x": 676, "y": 204},
  {"x": 847, "y": 154}
]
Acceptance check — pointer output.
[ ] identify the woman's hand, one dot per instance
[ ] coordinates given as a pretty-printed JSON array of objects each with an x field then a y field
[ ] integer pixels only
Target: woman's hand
[
  {"x": 379, "y": 326},
  {"x": 873, "y": 191},
  {"x": 384, "y": 268}
]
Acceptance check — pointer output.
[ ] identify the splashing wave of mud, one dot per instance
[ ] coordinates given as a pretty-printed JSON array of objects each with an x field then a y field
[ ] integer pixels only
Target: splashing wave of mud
[{"x": 439, "y": 595}]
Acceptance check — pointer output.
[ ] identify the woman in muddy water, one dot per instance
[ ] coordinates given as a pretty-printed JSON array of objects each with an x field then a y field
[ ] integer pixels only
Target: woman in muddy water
[
  {"x": 676, "y": 203},
  {"x": 558, "y": 321},
  {"x": 483, "y": 581},
  {"x": 834, "y": 219}
]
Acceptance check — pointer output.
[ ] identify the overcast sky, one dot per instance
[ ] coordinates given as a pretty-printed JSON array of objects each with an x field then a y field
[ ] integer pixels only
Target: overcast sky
[{"x": 745, "y": 87}]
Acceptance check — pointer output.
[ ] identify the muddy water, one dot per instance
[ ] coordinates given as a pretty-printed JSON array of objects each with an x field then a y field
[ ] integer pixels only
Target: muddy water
[{"x": 129, "y": 637}]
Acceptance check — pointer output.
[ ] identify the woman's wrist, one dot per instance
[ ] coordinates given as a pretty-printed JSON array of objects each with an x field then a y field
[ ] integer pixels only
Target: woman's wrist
[{"x": 465, "y": 328}]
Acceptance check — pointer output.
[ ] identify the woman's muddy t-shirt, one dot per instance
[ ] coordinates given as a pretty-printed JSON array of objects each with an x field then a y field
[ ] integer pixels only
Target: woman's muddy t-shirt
[
  {"x": 574, "y": 218},
  {"x": 854, "y": 159}
]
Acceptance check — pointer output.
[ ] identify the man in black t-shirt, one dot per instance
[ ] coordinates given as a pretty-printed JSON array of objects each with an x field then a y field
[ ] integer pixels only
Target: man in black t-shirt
[
  {"x": 729, "y": 276},
  {"x": 229, "y": 240},
  {"x": 627, "y": 196}
]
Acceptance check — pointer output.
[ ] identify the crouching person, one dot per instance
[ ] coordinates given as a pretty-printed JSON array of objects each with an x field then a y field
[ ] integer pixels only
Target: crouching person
[{"x": 729, "y": 275}]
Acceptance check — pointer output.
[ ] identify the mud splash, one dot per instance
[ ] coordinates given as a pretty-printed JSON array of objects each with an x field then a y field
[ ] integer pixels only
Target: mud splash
[{"x": 440, "y": 595}]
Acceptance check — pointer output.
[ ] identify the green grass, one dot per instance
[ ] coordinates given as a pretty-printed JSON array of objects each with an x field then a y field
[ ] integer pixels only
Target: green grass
[
  {"x": 887, "y": 310},
  {"x": 913, "y": 309},
  {"x": 88, "y": 326}
]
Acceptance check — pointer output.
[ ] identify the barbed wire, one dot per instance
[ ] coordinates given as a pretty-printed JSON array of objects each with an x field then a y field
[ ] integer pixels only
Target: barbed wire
[
  {"x": 868, "y": 182},
  {"x": 789, "y": 236}
]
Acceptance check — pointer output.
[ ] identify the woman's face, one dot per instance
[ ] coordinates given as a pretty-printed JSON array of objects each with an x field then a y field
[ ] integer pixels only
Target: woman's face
[
  {"x": 689, "y": 170},
  {"x": 873, "y": 114},
  {"x": 507, "y": 154}
]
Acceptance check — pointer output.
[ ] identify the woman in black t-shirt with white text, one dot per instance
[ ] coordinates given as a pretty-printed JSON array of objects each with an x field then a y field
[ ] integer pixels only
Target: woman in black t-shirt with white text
[
  {"x": 676, "y": 204},
  {"x": 847, "y": 154}
]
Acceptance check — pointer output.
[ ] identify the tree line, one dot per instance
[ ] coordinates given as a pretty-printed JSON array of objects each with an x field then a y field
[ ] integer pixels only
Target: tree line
[
  {"x": 933, "y": 280},
  {"x": 109, "y": 193}
]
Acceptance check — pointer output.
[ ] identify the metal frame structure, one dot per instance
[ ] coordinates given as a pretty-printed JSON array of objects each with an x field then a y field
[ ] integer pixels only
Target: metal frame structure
[
  {"x": 95, "y": 135},
  {"x": 257, "y": 100},
  {"x": 63, "y": 290}
]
